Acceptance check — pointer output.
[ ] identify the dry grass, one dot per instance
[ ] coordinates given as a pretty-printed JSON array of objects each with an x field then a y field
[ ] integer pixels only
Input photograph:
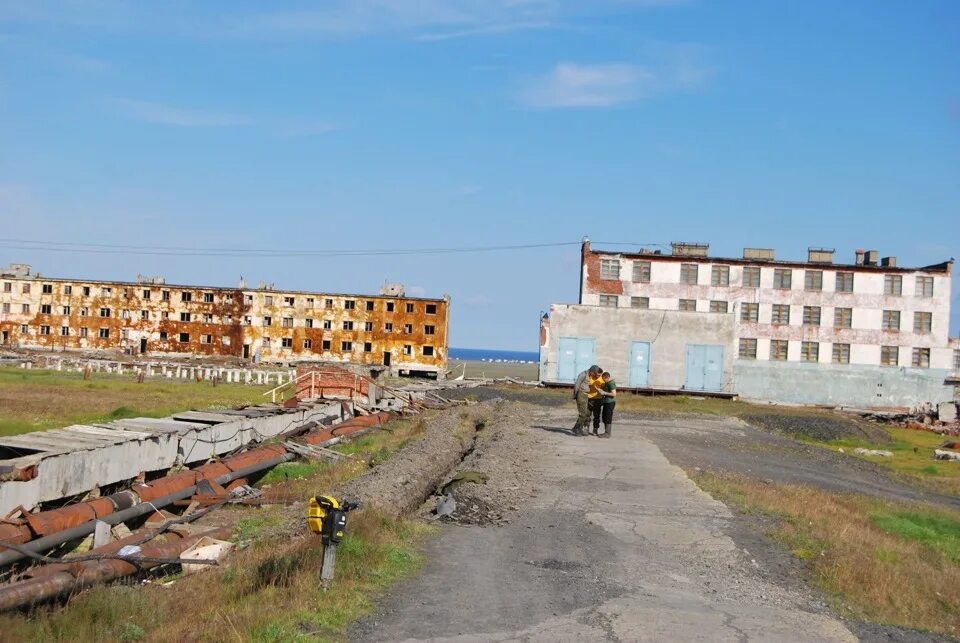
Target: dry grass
[
  {"x": 893, "y": 563},
  {"x": 268, "y": 591},
  {"x": 36, "y": 399}
]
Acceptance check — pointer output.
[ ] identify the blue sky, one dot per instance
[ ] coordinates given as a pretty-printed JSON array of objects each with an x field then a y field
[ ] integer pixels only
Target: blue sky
[{"x": 389, "y": 124}]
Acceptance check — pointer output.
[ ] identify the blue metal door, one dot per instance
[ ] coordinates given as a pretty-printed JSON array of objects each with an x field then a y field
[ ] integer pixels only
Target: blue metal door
[
  {"x": 639, "y": 364},
  {"x": 704, "y": 367},
  {"x": 574, "y": 354}
]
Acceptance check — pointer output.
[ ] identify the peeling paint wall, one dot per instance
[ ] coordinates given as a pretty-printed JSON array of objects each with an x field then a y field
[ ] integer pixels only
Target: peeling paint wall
[{"x": 268, "y": 325}]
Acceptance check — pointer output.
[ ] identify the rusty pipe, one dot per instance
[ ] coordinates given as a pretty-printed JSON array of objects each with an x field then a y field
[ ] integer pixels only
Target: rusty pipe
[{"x": 88, "y": 573}]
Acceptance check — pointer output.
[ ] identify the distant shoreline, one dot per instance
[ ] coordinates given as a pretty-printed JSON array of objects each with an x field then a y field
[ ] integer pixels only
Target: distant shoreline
[{"x": 493, "y": 356}]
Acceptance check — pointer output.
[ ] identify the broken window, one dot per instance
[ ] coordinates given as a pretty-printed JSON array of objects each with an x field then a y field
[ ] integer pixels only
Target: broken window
[
  {"x": 778, "y": 350},
  {"x": 781, "y": 314},
  {"x": 843, "y": 317},
  {"x": 68, "y": 290},
  {"x": 84, "y": 311},
  {"x": 65, "y": 310},
  {"x": 921, "y": 358},
  {"x": 325, "y": 344},
  {"x": 783, "y": 278},
  {"x": 165, "y": 314},
  {"x": 24, "y": 329},
  {"x": 407, "y": 349},
  {"x": 748, "y": 348},
  {"x": 286, "y": 342},
  {"x": 368, "y": 347},
  {"x": 25, "y": 309},
  {"x": 688, "y": 273},
  {"x": 266, "y": 342},
  {"x": 289, "y": 301},
  {"x": 207, "y": 318},
  {"x": 956, "y": 360},
  {"x": 428, "y": 351},
  {"x": 86, "y": 291},
  {"x": 308, "y": 344},
  {"x": 369, "y": 305},
  {"x": 327, "y": 324},
  {"x": 409, "y": 308},
  {"x": 268, "y": 321},
  {"x": 268, "y": 300},
  {"x": 922, "y": 322},
  {"x": 46, "y": 309},
  {"x": 811, "y": 315},
  {"x": 349, "y": 304},
  {"x": 165, "y": 295},
  {"x": 249, "y": 299},
  {"x": 640, "y": 302},
  {"x": 431, "y": 309},
  {"x": 609, "y": 268},
  {"x": 924, "y": 287},
  {"x": 889, "y": 355},
  {"x": 104, "y": 312},
  {"x": 609, "y": 301},
  {"x": 186, "y": 296},
  {"x": 429, "y": 330},
  {"x": 64, "y": 331},
  {"x": 308, "y": 322},
  {"x": 106, "y": 291},
  {"x": 809, "y": 352},
  {"x": 891, "y": 320},
  {"x": 287, "y": 322},
  {"x": 127, "y": 293},
  {"x": 390, "y": 306},
  {"x": 47, "y": 289},
  {"x": 689, "y": 305},
  {"x": 26, "y": 289},
  {"x": 407, "y": 329},
  {"x": 247, "y": 320},
  {"x": 749, "y": 312},
  {"x": 388, "y": 327},
  {"x": 184, "y": 338},
  {"x": 124, "y": 314},
  {"x": 206, "y": 339},
  {"x": 310, "y": 301},
  {"x": 146, "y": 294},
  {"x": 892, "y": 285},
  {"x": 720, "y": 276},
  {"x": 184, "y": 317},
  {"x": 813, "y": 280},
  {"x": 844, "y": 282},
  {"x": 346, "y": 347},
  {"x": 208, "y": 297},
  {"x": 83, "y": 331},
  {"x": 44, "y": 330},
  {"x": 348, "y": 325},
  {"x": 7, "y": 286},
  {"x": 368, "y": 326},
  {"x": 641, "y": 272},
  {"x": 841, "y": 353},
  {"x": 6, "y": 308},
  {"x": 718, "y": 306},
  {"x": 144, "y": 315},
  {"x": 104, "y": 333},
  {"x": 328, "y": 303}
]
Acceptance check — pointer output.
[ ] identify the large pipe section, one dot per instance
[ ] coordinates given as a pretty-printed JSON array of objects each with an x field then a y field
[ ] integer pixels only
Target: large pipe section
[
  {"x": 48, "y": 529},
  {"x": 68, "y": 577}
]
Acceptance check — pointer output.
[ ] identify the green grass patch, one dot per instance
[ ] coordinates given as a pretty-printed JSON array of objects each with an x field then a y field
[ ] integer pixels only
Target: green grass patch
[
  {"x": 286, "y": 471},
  {"x": 933, "y": 530},
  {"x": 251, "y": 527}
]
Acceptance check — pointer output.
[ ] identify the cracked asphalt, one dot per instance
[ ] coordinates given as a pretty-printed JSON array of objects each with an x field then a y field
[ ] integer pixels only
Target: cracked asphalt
[{"x": 615, "y": 544}]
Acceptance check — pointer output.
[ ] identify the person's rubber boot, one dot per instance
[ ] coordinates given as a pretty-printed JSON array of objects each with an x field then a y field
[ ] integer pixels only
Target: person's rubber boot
[{"x": 606, "y": 430}]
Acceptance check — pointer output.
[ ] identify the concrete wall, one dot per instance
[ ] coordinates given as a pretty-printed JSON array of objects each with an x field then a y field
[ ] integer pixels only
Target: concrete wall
[
  {"x": 614, "y": 329},
  {"x": 840, "y": 384}
]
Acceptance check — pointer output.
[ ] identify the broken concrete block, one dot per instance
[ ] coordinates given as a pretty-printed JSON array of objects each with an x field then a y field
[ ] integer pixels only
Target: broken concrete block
[
  {"x": 947, "y": 411},
  {"x": 880, "y": 452}
]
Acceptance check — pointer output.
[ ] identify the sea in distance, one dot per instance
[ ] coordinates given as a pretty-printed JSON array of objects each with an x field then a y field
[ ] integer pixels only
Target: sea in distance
[{"x": 485, "y": 355}]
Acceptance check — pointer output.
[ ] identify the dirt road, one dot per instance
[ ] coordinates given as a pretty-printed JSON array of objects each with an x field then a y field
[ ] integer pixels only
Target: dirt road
[{"x": 616, "y": 544}]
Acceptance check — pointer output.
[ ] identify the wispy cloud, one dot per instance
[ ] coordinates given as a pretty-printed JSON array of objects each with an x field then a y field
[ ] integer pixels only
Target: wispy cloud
[
  {"x": 161, "y": 114},
  {"x": 486, "y": 30},
  {"x": 573, "y": 85}
]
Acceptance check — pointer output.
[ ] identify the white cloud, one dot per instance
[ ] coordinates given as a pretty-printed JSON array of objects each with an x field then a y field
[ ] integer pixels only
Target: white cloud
[
  {"x": 161, "y": 114},
  {"x": 486, "y": 30},
  {"x": 608, "y": 85},
  {"x": 417, "y": 291}
]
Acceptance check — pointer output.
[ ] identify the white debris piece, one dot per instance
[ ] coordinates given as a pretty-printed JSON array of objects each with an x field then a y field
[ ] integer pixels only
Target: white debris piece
[
  {"x": 880, "y": 452},
  {"x": 205, "y": 549},
  {"x": 941, "y": 454}
]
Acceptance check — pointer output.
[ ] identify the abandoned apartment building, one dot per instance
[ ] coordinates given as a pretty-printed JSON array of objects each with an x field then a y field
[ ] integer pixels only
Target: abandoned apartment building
[
  {"x": 866, "y": 334},
  {"x": 407, "y": 335}
]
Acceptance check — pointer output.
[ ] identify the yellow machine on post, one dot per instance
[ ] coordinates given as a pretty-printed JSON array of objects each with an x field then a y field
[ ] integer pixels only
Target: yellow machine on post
[{"x": 327, "y": 517}]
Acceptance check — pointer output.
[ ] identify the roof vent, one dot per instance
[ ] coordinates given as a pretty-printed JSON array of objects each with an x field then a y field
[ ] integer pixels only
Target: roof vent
[
  {"x": 871, "y": 258},
  {"x": 16, "y": 270},
  {"x": 820, "y": 255},
  {"x": 392, "y": 290},
  {"x": 889, "y": 262},
  {"x": 151, "y": 279},
  {"x": 685, "y": 249},
  {"x": 758, "y": 254}
]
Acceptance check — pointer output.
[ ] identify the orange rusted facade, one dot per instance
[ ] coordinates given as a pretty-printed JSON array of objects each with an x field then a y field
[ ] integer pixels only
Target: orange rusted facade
[{"x": 152, "y": 319}]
